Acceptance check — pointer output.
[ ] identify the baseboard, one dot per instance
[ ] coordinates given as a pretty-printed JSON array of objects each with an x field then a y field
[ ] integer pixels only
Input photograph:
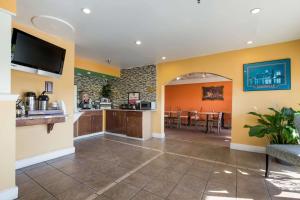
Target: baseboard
[
  {"x": 123, "y": 136},
  {"x": 245, "y": 147},
  {"x": 159, "y": 135},
  {"x": 43, "y": 157},
  {"x": 9, "y": 194},
  {"x": 89, "y": 135}
]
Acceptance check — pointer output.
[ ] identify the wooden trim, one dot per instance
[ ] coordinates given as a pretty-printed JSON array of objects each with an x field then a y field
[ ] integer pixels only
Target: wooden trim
[{"x": 38, "y": 121}]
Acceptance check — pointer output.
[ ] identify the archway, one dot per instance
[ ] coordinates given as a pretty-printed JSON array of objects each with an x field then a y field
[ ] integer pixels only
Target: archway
[{"x": 198, "y": 108}]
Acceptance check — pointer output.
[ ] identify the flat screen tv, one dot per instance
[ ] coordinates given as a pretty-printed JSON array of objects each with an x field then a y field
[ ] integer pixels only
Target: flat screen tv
[{"x": 31, "y": 54}]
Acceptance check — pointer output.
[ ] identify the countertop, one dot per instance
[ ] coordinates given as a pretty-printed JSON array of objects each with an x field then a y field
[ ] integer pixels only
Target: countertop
[{"x": 40, "y": 117}]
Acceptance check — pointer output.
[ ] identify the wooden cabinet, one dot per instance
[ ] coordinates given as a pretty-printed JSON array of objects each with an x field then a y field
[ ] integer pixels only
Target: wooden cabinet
[
  {"x": 134, "y": 122},
  {"x": 84, "y": 125},
  {"x": 89, "y": 122},
  {"x": 97, "y": 123},
  {"x": 129, "y": 123},
  {"x": 115, "y": 121}
]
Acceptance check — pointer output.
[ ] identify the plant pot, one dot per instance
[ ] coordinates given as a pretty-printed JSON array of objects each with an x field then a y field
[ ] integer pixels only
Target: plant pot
[
  {"x": 297, "y": 121},
  {"x": 282, "y": 162}
]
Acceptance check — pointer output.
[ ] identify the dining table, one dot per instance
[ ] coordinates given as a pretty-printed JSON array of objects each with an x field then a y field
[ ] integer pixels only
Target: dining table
[{"x": 207, "y": 117}]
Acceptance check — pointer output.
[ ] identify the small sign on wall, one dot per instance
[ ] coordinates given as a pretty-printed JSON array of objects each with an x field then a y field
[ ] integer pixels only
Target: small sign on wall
[
  {"x": 133, "y": 97},
  {"x": 49, "y": 87},
  {"x": 269, "y": 75}
]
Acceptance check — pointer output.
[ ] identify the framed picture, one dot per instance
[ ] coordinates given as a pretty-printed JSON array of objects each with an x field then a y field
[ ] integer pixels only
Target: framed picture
[
  {"x": 49, "y": 87},
  {"x": 133, "y": 97},
  {"x": 213, "y": 93},
  {"x": 269, "y": 75}
]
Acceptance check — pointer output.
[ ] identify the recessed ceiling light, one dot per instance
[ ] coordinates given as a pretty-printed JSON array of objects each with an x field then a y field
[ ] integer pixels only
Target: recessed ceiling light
[
  {"x": 178, "y": 78},
  {"x": 164, "y": 58},
  {"x": 86, "y": 10},
  {"x": 255, "y": 11},
  {"x": 250, "y": 42},
  {"x": 138, "y": 42}
]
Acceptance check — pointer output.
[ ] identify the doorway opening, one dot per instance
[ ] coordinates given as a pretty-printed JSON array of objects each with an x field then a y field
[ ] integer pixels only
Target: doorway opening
[{"x": 198, "y": 108}]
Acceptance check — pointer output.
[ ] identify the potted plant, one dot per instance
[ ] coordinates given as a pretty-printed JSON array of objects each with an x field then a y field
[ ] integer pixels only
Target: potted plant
[
  {"x": 106, "y": 91},
  {"x": 278, "y": 127}
]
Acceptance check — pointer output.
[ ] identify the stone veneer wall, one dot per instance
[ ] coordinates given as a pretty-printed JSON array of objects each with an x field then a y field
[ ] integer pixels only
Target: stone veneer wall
[
  {"x": 91, "y": 85},
  {"x": 138, "y": 79}
]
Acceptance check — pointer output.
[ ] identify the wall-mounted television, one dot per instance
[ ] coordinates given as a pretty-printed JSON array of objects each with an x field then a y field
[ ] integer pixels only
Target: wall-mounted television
[{"x": 31, "y": 54}]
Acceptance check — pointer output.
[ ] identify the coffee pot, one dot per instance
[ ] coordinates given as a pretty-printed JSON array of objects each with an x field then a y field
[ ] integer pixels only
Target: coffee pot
[{"x": 43, "y": 101}]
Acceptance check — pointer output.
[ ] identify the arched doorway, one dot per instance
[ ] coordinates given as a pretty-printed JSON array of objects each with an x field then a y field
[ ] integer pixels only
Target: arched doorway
[{"x": 198, "y": 107}]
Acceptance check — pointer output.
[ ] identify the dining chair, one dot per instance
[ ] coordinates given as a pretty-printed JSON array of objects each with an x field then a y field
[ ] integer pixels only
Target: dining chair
[
  {"x": 184, "y": 118},
  {"x": 193, "y": 117},
  {"x": 175, "y": 119},
  {"x": 167, "y": 119},
  {"x": 215, "y": 121}
]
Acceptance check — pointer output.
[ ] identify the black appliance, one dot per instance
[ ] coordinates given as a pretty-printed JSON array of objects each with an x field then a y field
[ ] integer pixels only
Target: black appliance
[
  {"x": 31, "y": 54},
  {"x": 144, "y": 105}
]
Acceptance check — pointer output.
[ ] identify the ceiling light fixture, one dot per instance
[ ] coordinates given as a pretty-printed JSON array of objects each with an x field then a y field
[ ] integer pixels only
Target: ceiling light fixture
[
  {"x": 178, "y": 78},
  {"x": 86, "y": 10},
  {"x": 203, "y": 75},
  {"x": 250, "y": 42},
  {"x": 164, "y": 58},
  {"x": 255, "y": 11},
  {"x": 138, "y": 42}
]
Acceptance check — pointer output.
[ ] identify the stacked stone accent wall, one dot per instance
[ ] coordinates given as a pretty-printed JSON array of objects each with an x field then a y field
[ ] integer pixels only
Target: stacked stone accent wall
[
  {"x": 138, "y": 79},
  {"x": 91, "y": 85}
]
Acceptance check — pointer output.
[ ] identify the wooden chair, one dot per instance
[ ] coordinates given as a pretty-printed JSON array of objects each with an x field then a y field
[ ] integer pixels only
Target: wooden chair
[
  {"x": 184, "y": 118},
  {"x": 215, "y": 121},
  {"x": 193, "y": 117},
  {"x": 167, "y": 119},
  {"x": 175, "y": 119}
]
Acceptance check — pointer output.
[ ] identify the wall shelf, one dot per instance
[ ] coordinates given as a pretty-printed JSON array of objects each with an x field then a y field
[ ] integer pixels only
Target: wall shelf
[{"x": 39, "y": 120}]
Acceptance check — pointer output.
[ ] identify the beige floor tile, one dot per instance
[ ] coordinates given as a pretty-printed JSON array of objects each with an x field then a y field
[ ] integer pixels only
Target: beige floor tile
[
  {"x": 159, "y": 187},
  {"x": 138, "y": 180},
  {"x": 38, "y": 171},
  {"x": 22, "y": 178},
  {"x": 61, "y": 185},
  {"x": 121, "y": 191},
  {"x": 182, "y": 192},
  {"x": 78, "y": 192},
  {"x": 144, "y": 195}
]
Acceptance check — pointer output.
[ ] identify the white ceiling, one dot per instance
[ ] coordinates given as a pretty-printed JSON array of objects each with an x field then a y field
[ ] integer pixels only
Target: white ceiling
[
  {"x": 173, "y": 28},
  {"x": 198, "y": 77}
]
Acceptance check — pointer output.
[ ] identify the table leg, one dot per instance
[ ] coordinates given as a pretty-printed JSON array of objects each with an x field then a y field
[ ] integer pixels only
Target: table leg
[{"x": 206, "y": 131}]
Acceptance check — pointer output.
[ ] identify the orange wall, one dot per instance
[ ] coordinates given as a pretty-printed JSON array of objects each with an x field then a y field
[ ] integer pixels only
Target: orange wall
[{"x": 189, "y": 97}]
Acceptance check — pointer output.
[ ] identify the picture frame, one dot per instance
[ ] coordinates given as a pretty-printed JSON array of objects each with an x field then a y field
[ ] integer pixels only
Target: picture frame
[
  {"x": 268, "y": 75},
  {"x": 133, "y": 97},
  {"x": 49, "y": 87},
  {"x": 213, "y": 93}
]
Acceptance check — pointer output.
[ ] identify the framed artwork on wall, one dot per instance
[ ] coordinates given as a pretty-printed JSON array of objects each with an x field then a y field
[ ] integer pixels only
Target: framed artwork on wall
[
  {"x": 269, "y": 75},
  {"x": 213, "y": 93},
  {"x": 133, "y": 97}
]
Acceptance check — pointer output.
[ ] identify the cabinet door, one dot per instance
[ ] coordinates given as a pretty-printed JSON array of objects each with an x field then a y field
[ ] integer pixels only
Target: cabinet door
[
  {"x": 134, "y": 121},
  {"x": 97, "y": 123},
  {"x": 84, "y": 125},
  {"x": 120, "y": 122},
  {"x": 110, "y": 121}
]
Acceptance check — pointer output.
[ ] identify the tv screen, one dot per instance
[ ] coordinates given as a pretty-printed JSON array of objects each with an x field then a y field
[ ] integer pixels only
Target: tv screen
[{"x": 30, "y": 51}]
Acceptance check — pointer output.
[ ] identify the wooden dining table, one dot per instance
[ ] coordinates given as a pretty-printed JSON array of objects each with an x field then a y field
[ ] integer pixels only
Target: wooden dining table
[
  {"x": 207, "y": 114},
  {"x": 207, "y": 117}
]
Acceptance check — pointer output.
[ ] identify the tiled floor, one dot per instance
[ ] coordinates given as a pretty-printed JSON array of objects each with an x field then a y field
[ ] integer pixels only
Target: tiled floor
[{"x": 113, "y": 168}]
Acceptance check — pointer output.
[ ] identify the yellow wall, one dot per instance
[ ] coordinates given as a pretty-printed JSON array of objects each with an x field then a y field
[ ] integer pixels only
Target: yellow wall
[
  {"x": 9, "y": 5},
  {"x": 7, "y": 148},
  {"x": 34, "y": 140},
  {"x": 97, "y": 67},
  {"x": 230, "y": 65}
]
